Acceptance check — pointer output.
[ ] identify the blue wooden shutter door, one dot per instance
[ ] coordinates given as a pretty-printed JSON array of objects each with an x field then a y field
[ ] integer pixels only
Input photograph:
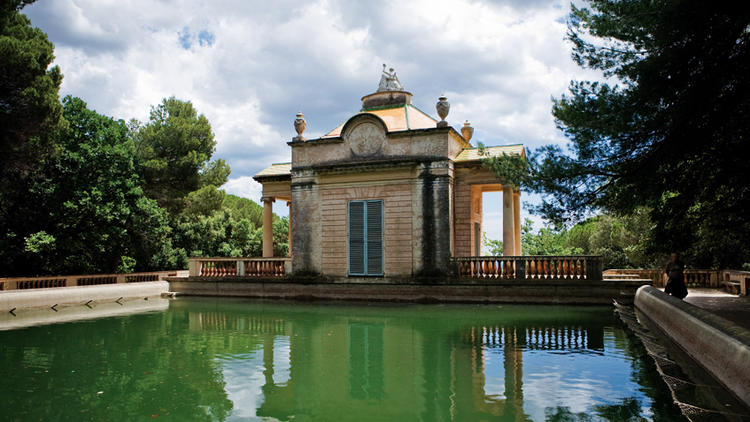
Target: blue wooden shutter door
[
  {"x": 374, "y": 237},
  {"x": 366, "y": 237},
  {"x": 356, "y": 237}
]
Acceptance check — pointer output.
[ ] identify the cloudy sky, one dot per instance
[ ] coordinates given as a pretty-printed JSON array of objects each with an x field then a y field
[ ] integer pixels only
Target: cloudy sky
[{"x": 249, "y": 66}]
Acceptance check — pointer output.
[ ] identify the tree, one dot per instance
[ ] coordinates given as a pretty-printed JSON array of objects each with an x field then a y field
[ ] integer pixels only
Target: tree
[
  {"x": 495, "y": 246},
  {"x": 84, "y": 211},
  {"x": 175, "y": 148},
  {"x": 668, "y": 129},
  {"x": 621, "y": 241},
  {"x": 204, "y": 201},
  {"x": 244, "y": 208},
  {"x": 217, "y": 234},
  {"x": 29, "y": 103},
  {"x": 232, "y": 229},
  {"x": 280, "y": 236}
]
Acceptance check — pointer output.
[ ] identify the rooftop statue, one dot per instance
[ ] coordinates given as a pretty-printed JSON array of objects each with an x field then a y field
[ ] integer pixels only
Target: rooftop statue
[{"x": 389, "y": 81}]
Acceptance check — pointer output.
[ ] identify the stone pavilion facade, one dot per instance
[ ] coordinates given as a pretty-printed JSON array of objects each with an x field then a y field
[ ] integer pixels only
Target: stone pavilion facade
[{"x": 391, "y": 192}]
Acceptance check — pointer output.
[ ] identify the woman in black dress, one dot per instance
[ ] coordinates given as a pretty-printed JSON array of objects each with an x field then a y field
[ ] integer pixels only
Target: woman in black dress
[{"x": 676, "y": 283}]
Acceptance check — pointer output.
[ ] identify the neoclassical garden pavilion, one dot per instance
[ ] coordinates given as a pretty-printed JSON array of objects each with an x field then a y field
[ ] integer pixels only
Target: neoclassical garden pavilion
[{"x": 390, "y": 192}]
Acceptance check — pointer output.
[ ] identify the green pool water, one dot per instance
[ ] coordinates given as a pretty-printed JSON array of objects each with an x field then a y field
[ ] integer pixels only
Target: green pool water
[{"x": 236, "y": 360}]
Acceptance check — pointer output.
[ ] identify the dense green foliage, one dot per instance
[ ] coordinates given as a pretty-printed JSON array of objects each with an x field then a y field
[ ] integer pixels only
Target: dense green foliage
[
  {"x": 666, "y": 129},
  {"x": 84, "y": 193},
  {"x": 29, "y": 103},
  {"x": 233, "y": 229},
  {"x": 175, "y": 147},
  {"x": 621, "y": 241},
  {"x": 84, "y": 210}
]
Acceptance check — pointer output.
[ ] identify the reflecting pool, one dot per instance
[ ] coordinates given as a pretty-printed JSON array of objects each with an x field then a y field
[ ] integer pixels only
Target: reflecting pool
[{"x": 208, "y": 359}]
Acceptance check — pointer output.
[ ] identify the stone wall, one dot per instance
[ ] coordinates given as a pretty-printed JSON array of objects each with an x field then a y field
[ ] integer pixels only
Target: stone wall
[
  {"x": 719, "y": 345},
  {"x": 306, "y": 224},
  {"x": 397, "y": 218},
  {"x": 365, "y": 137},
  {"x": 435, "y": 185},
  {"x": 497, "y": 291},
  {"x": 410, "y": 170},
  {"x": 418, "y": 216}
]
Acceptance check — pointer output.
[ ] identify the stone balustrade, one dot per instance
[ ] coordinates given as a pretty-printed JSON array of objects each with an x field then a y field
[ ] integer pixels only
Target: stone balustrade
[
  {"x": 578, "y": 267},
  {"x": 239, "y": 267},
  {"x": 22, "y": 283},
  {"x": 736, "y": 281}
]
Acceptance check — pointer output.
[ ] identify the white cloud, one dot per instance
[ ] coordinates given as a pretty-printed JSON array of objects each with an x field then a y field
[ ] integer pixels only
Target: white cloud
[
  {"x": 244, "y": 187},
  {"x": 249, "y": 66}
]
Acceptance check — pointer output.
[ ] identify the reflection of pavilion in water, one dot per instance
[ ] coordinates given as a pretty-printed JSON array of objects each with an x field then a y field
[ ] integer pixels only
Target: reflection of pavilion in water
[{"x": 355, "y": 363}]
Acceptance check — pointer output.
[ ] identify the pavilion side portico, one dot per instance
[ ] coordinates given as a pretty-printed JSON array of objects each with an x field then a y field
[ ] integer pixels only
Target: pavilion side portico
[
  {"x": 275, "y": 190},
  {"x": 471, "y": 182}
]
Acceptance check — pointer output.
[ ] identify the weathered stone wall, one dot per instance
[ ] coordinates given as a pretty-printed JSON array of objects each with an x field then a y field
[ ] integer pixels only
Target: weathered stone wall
[
  {"x": 397, "y": 219},
  {"x": 418, "y": 216},
  {"x": 365, "y": 137},
  {"x": 434, "y": 187},
  {"x": 488, "y": 291},
  {"x": 306, "y": 224},
  {"x": 411, "y": 171}
]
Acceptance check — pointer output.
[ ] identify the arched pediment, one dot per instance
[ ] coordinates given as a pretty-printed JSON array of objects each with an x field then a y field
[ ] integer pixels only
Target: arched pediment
[{"x": 365, "y": 134}]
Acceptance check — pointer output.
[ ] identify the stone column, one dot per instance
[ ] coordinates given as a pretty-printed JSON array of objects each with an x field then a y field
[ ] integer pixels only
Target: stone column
[
  {"x": 289, "y": 204},
  {"x": 517, "y": 223},
  {"x": 509, "y": 242},
  {"x": 268, "y": 359},
  {"x": 267, "y": 226}
]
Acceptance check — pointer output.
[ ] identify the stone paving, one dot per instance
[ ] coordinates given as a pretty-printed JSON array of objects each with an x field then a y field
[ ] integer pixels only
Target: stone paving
[{"x": 732, "y": 307}]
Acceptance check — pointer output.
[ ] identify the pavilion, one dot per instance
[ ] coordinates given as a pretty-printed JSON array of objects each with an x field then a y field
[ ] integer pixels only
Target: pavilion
[{"x": 391, "y": 192}]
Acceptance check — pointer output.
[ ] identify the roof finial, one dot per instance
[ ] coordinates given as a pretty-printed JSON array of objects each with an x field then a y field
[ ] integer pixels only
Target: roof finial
[
  {"x": 389, "y": 81},
  {"x": 299, "y": 125},
  {"x": 443, "y": 107},
  {"x": 467, "y": 131}
]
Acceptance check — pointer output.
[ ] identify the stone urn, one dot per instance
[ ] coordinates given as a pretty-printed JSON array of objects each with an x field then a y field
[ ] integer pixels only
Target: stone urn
[
  {"x": 443, "y": 107},
  {"x": 467, "y": 131},
  {"x": 299, "y": 125}
]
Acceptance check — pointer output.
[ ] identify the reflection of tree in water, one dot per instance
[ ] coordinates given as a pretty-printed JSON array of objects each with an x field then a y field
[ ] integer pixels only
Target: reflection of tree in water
[
  {"x": 647, "y": 376},
  {"x": 627, "y": 411},
  {"x": 133, "y": 370},
  {"x": 563, "y": 414}
]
